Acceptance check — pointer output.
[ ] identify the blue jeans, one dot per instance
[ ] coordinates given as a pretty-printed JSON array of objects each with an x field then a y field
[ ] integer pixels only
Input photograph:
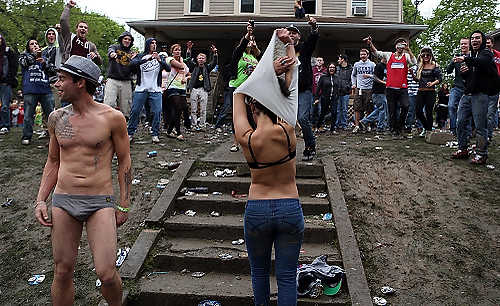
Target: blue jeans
[
  {"x": 475, "y": 106},
  {"x": 226, "y": 108},
  {"x": 5, "y": 96},
  {"x": 304, "y": 114},
  {"x": 492, "y": 114},
  {"x": 138, "y": 101},
  {"x": 280, "y": 222},
  {"x": 410, "y": 118},
  {"x": 343, "y": 101},
  {"x": 30, "y": 102},
  {"x": 455, "y": 96},
  {"x": 379, "y": 114}
]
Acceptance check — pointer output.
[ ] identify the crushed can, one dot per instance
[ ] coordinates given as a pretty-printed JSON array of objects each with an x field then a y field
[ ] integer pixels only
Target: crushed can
[{"x": 152, "y": 154}]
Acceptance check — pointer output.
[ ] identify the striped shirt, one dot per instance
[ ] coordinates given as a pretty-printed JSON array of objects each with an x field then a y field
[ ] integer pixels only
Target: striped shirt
[{"x": 412, "y": 85}]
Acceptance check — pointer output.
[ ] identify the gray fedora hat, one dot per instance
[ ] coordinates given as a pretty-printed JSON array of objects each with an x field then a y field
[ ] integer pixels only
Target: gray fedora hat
[{"x": 82, "y": 67}]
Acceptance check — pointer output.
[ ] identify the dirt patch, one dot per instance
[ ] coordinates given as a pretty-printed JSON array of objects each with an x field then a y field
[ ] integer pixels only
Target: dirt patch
[{"x": 426, "y": 225}]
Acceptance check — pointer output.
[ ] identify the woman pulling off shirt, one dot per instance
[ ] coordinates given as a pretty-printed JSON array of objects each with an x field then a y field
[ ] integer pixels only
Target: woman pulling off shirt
[{"x": 273, "y": 213}]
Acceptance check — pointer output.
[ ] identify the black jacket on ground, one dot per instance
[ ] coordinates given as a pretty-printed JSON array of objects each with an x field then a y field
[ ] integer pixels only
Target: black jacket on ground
[{"x": 305, "y": 51}]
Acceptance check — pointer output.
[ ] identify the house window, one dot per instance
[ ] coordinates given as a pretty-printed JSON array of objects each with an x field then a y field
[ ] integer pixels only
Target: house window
[
  {"x": 309, "y": 6},
  {"x": 197, "y": 6},
  {"x": 359, "y": 8},
  {"x": 247, "y": 6}
]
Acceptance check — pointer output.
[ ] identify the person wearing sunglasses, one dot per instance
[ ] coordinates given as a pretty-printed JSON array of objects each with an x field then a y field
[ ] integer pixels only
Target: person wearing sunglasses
[{"x": 428, "y": 76}]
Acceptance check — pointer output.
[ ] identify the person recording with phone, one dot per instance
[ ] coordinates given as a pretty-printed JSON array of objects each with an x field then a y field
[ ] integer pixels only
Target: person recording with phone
[{"x": 36, "y": 87}]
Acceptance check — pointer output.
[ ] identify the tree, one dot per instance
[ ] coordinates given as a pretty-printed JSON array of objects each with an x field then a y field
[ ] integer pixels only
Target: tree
[
  {"x": 21, "y": 20},
  {"x": 454, "y": 19},
  {"x": 411, "y": 15}
]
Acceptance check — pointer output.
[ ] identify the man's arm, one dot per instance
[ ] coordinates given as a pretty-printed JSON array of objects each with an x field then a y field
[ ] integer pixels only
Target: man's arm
[
  {"x": 121, "y": 144},
  {"x": 50, "y": 172},
  {"x": 65, "y": 33},
  {"x": 310, "y": 44},
  {"x": 354, "y": 75},
  {"x": 26, "y": 60},
  {"x": 451, "y": 67}
]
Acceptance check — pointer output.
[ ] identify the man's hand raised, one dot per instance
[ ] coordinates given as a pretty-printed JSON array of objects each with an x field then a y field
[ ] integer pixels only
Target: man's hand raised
[{"x": 72, "y": 3}]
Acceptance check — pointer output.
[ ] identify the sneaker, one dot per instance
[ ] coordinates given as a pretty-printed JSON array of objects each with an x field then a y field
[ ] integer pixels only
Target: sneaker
[
  {"x": 422, "y": 134},
  {"x": 460, "y": 154},
  {"x": 307, "y": 155},
  {"x": 25, "y": 142},
  {"x": 4, "y": 130},
  {"x": 234, "y": 148},
  {"x": 478, "y": 159},
  {"x": 180, "y": 138},
  {"x": 155, "y": 139},
  {"x": 356, "y": 129},
  {"x": 363, "y": 126},
  {"x": 44, "y": 134}
]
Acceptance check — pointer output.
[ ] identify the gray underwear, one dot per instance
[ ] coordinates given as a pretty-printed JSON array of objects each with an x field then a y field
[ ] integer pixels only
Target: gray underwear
[{"x": 81, "y": 207}]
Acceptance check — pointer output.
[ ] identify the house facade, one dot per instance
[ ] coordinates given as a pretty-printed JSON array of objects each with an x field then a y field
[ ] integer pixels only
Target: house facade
[{"x": 342, "y": 23}]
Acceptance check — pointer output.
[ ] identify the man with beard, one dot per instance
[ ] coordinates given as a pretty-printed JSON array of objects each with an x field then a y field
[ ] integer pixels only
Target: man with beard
[
  {"x": 457, "y": 91},
  {"x": 304, "y": 53},
  {"x": 84, "y": 137},
  {"x": 480, "y": 77},
  {"x": 119, "y": 86},
  {"x": 8, "y": 71},
  {"x": 76, "y": 44}
]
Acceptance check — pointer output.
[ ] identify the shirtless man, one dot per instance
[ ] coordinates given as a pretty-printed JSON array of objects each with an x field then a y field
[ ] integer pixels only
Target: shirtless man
[{"x": 84, "y": 136}]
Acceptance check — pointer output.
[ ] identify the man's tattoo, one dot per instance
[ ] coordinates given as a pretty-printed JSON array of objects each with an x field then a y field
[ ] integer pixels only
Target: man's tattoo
[
  {"x": 63, "y": 126},
  {"x": 128, "y": 182}
]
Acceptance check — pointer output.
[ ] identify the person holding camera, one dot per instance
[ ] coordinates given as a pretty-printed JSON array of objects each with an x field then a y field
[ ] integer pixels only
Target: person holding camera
[{"x": 36, "y": 87}]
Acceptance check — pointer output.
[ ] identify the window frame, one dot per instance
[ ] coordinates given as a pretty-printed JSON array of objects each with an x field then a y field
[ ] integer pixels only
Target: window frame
[
  {"x": 256, "y": 8},
  {"x": 187, "y": 8}
]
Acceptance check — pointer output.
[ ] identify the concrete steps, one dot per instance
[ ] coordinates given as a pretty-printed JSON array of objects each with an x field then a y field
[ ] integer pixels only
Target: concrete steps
[
  {"x": 227, "y": 227},
  {"x": 306, "y": 187},
  {"x": 226, "y": 204},
  {"x": 177, "y": 254},
  {"x": 178, "y": 289}
]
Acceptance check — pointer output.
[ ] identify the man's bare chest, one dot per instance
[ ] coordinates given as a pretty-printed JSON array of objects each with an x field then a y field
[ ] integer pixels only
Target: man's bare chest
[{"x": 74, "y": 132}]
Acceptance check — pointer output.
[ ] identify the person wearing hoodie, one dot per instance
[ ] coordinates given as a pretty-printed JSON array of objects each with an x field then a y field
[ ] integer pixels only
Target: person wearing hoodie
[
  {"x": 148, "y": 66},
  {"x": 480, "y": 78},
  {"x": 76, "y": 44},
  {"x": 344, "y": 71},
  {"x": 326, "y": 93},
  {"x": 8, "y": 72},
  {"x": 304, "y": 52},
  {"x": 362, "y": 85},
  {"x": 36, "y": 87},
  {"x": 118, "y": 86}
]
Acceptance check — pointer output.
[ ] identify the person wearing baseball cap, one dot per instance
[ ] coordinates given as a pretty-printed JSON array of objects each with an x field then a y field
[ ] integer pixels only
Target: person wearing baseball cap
[{"x": 84, "y": 137}]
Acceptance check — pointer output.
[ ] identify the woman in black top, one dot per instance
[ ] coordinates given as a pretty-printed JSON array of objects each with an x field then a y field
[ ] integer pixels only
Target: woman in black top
[
  {"x": 326, "y": 92},
  {"x": 428, "y": 76},
  {"x": 442, "y": 106}
]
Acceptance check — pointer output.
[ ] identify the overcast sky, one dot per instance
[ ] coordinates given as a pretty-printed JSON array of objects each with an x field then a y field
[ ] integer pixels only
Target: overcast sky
[{"x": 128, "y": 10}]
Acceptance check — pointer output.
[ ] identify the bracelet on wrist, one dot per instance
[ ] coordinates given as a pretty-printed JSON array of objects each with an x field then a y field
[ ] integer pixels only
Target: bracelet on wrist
[
  {"x": 37, "y": 203},
  {"x": 123, "y": 209}
]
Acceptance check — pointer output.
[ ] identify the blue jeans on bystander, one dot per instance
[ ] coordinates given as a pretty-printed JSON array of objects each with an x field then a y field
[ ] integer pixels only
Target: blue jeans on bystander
[
  {"x": 492, "y": 114},
  {"x": 279, "y": 222},
  {"x": 379, "y": 114},
  {"x": 343, "y": 102},
  {"x": 30, "y": 103},
  {"x": 304, "y": 115},
  {"x": 5, "y": 96},
  {"x": 138, "y": 101},
  {"x": 475, "y": 106}
]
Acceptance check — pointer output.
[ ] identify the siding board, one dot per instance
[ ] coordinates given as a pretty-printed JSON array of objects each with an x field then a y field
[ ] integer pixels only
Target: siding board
[
  {"x": 277, "y": 7},
  {"x": 335, "y": 8},
  {"x": 386, "y": 10},
  {"x": 170, "y": 8},
  {"x": 220, "y": 7}
]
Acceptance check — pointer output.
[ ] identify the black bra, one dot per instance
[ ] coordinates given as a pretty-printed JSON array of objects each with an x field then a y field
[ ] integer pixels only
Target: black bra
[{"x": 256, "y": 165}]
